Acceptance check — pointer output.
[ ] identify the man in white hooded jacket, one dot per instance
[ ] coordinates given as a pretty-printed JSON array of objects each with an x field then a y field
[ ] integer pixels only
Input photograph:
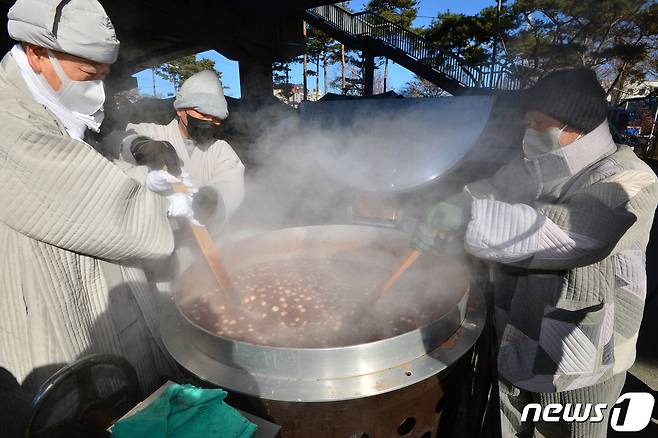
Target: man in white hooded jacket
[{"x": 73, "y": 226}]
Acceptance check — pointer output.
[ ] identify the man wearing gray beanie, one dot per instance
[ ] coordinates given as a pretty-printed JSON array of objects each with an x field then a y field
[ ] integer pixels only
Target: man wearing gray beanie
[
  {"x": 73, "y": 226},
  {"x": 210, "y": 166},
  {"x": 565, "y": 228}
]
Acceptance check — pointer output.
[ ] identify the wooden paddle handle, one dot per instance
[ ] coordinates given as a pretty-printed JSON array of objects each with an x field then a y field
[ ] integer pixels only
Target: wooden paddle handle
[
  {"x": 210, "y": 253},
  {"x": 405, "y": 264},
  {"x": 178, "y": 187}
]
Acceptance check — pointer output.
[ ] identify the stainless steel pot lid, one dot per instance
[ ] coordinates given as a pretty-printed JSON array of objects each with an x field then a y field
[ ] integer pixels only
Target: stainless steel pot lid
[{"x": 384, "y": 145}]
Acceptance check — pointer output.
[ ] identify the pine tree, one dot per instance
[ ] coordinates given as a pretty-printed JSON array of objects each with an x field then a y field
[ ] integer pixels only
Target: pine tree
[
  {"x": 400, "y": 12},
  {"x": 281, "y": 78},
  {"x": 319, "y": 48},
  {"x": 616, "y": 38},
  {"x": 178, "y": 70},
  {"x": 419, "y": 87}
]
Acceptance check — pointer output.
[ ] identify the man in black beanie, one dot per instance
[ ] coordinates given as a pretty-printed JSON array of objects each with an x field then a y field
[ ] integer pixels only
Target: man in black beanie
[{"x": 566, "y": 229}]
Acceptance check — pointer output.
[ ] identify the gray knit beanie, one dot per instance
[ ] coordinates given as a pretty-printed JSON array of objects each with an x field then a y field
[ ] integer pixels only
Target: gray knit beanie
[
  {"x": 572, "y": 96},
  {"x": 203, "y": 92}
]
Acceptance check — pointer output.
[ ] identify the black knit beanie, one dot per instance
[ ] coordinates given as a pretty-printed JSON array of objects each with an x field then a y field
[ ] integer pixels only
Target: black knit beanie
[{"x": 572, "y": 96}]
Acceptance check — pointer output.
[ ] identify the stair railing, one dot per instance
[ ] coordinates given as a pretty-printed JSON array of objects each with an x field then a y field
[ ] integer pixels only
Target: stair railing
[{"x": 372, "y": 25}]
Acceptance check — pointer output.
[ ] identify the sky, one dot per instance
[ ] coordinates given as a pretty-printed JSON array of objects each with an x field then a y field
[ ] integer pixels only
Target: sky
[{"x": 398, "y": 75}]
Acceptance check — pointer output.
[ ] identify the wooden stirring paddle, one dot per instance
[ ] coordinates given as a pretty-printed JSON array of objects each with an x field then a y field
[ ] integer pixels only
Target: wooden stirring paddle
[
  {"x": 210, "y": 253},
  {"x": 393, "y": 278}
]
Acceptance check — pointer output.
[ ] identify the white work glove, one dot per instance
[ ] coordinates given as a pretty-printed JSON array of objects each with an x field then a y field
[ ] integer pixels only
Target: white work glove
[
  {"x": 160, "y": 181},
  {"x": 180, "y": 205}
]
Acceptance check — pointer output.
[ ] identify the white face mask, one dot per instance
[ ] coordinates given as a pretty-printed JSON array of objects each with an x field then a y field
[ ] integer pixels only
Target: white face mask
[
  {"x": 83, "y": 97},
  {"x": 536, "y": 143}
]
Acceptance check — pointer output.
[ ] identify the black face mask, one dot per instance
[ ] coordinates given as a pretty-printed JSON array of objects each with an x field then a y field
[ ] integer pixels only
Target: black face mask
[{"x": 203, "y": 132}]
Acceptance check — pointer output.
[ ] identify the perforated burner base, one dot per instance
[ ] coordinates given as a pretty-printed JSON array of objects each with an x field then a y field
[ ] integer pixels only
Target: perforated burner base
[{"x": 423, "y": 410}]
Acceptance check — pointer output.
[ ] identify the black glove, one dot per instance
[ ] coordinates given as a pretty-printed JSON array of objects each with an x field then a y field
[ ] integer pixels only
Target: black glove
[
  {"x": 156, "y": 155},
  {"x": 207, "y": 203}
]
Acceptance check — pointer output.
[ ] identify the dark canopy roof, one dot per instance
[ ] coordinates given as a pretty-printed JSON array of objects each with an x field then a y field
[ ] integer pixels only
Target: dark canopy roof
[{"x": 154, "y": 31}]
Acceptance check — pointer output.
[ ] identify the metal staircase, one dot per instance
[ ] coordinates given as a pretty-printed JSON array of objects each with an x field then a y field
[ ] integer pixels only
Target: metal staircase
[{"x": 375, "y": 34}]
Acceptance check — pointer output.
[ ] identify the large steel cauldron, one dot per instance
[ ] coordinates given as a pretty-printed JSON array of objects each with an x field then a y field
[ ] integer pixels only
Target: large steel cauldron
[{"x": 370, "y": 387}]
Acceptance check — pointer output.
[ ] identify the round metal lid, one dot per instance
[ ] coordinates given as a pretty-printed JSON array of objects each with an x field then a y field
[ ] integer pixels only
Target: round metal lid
[{"x": 389, "y": 145}]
